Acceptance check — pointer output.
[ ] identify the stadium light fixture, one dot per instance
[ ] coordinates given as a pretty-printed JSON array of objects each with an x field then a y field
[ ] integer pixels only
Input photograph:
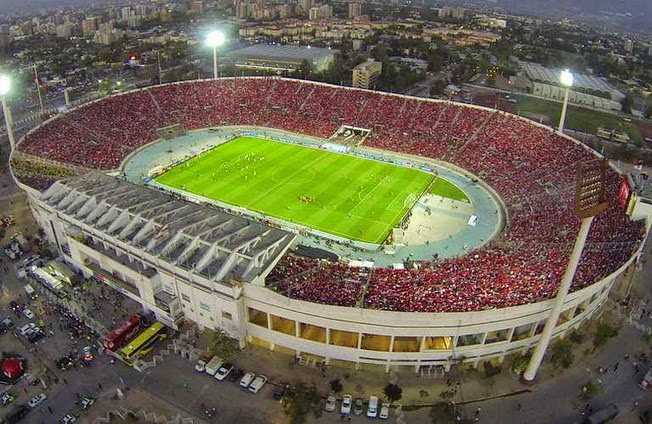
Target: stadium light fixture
[
  {"x": 215, "y": 39},
  {"x": 566, "y": 79},
  {"x": 590, "y": 201},
  {"x": 5, "y": 86}
]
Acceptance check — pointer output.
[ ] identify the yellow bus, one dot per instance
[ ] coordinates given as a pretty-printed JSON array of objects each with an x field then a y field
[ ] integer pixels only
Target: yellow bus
[{"x": 144, "y": 342}]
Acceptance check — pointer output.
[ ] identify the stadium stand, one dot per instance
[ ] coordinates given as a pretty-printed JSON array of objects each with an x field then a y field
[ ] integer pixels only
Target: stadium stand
[{"x": 531, "y": 167}]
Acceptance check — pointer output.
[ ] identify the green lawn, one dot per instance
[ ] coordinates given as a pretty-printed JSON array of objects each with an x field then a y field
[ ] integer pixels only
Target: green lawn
[
  {"x": 580, "y": 119},
  {"x": 343, "y": 195},
  {"x": 445, "y": 188}
]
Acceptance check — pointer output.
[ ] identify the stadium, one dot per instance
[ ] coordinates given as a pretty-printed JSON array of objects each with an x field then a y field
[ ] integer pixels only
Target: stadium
[{"x": 337, "y": 225}]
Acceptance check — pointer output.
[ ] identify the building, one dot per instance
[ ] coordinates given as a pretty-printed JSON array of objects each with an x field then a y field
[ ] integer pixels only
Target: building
[
  {"x": 176, "y": 258},
  {"x": 242, "y": 10},
  {"x": 90, "y": 25},
  {"x": 281, "y": 58},
  {"x": 365, "y": 75},
  {"x": 452, "y": 12},
  {"x": 324, "y": 11},
  {"x": 197, "y": 6},
  {"x": 587, "y": 90},
  {"x": 355, "y": 10},
  {"x": 305, "y": 6},
  {"x": 64, "y": 30},
  {"x": 182, "y": 260}
]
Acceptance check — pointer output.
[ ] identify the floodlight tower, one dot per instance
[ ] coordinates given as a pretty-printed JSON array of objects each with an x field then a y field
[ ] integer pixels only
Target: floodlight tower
[
  {"x": 214, "y": 40},
  {"x": 566, "y": 79},
  {"x": 589, "y": 202},
  {"x": 5, "y": 86}
]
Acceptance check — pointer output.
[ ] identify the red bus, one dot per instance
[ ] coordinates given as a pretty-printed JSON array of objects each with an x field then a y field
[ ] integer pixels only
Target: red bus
[{"x": 121, "y": 335}]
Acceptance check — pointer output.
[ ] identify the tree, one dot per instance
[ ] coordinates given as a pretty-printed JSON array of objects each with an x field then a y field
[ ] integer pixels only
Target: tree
[
  {"x": 576, "y": 337},
  {"x": 437, "y": 88},
  {"x": 393, "y": 392},
  {"x": 336, "y": 385},
  {"x": 603, "y": 333},
  {"x": 300, "y": 400},
  {"x": 519, "y": 362},
  {"x": 223, "y": 345},
  {"x": 561, "y": 354},
  {"x": 627, "y": 102},
  {"x": 590, "y": 389},
  {"x": 443, "y": 413}
]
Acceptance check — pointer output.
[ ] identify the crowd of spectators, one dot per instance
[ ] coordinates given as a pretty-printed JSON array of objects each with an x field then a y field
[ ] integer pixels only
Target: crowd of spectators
[{"x": 531, "y": 167}]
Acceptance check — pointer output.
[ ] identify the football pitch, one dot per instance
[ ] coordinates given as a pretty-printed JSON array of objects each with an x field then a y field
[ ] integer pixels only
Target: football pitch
[{"x": 351, "y": 197}]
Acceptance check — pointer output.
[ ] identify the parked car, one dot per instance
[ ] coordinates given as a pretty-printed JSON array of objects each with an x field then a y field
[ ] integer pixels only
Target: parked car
[
  {"x": 26, "y": 329},
  {"x": 279, "y": 391},
  {"x": 223, "y": 371},
  {"x": 87, "y": 402},
  {"x": 37, "y": 400},
  {"x": 384, "y": 411},
  {"x": 247, "y": 379},
  {"x": 347, "y": 402},
  {"x": 65, "y": 363},
  {"x": 257, "y": 384},
  {"x": 87, "y": 354},
  {"x": 28, "y": 313},
  {"x": 235, "y": 374},
  {"x": 331, "y": 403},
  {"x": 358, "y": 407},
  {"x": 68, "y": 419},
  {"x": 372, "y": 410},
  {"x": 200, "y": 366},
  {"x": 7, "y": 398}
]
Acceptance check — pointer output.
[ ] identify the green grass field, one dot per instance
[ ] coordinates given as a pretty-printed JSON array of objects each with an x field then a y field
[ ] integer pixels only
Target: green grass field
[
  {"x": 577, "y": 118},
  {"x": 445, "y": 188},
  {"x": 347, "y": 196}
]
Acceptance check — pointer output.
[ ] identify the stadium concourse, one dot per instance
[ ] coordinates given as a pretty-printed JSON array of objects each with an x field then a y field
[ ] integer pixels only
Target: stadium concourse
[{"x": 529, "y": 166}]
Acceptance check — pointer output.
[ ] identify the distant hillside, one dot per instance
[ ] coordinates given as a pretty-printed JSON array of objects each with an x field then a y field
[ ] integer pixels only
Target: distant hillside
[{"x": 628, "y": 15}]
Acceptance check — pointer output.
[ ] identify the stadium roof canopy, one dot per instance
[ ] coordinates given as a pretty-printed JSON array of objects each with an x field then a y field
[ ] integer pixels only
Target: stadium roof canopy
[
  {"x": 540, "y": 73},
  {"x": 287, "y": 57},
  {"x": 212, "y": 243}
]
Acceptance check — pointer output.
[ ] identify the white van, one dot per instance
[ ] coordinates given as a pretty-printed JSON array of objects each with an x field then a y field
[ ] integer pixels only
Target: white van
[
  {"x": 213, "y": 365},
  {"x": 372, "y": 411},
  {"x": 258, "y": 383},
  {"x": 31, "y": 293}
]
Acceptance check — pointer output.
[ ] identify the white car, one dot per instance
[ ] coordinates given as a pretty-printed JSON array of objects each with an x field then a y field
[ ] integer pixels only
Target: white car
[
  {"x": 372, "y": 409},
  {"x": 68, "y": 419},
  {"x": 87, "y": 403},
  {"x": 223, "y": 371},
  {"x": 384, "y": 411},
  {"x": 27, "y": 328},
  {"x": 37, "y": 400},
  {"x": 331, "y": 402},
  {"x": 347, "y": 402},
  {"x": 257, "y": 384},
  {"x": 28, "y": 314},
  {"x": 247, "y": 379},
  {"x": 7, "y": 398}
]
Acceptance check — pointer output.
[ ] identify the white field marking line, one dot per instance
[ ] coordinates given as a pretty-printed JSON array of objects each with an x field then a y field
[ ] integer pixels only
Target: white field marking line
[
  {"x": 288, "y": 178},
  {"x": 365, "y": 196}
]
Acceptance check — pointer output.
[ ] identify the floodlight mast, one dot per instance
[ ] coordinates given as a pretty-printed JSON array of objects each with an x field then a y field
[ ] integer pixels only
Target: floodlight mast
[
  {"x": 5, "y": 87},
  {"x": 589, "y": 201},
  {"x": 566, "y": 79},
  {"x": 214, "y": 40}
]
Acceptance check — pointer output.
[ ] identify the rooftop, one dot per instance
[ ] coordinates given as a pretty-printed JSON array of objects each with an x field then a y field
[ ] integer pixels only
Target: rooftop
[
  {"x": 206, "y": 241},
  {"x": 537, "y": 72},
  {"x": 287, "y": 52}
]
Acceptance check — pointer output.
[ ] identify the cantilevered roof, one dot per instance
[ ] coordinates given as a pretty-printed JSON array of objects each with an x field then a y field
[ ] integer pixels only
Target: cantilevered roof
[{"x": 212, "y": 243}]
